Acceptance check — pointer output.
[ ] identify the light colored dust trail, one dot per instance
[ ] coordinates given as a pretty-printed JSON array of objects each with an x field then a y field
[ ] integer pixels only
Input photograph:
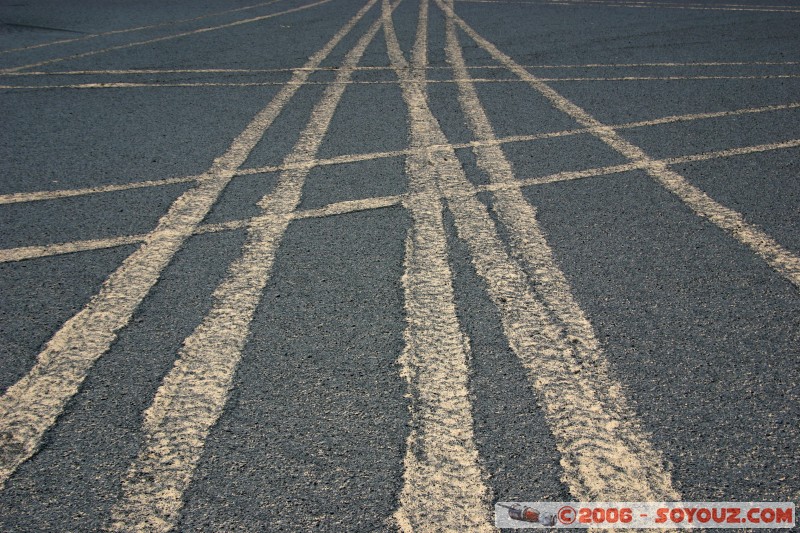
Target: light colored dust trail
[
  {"x": 137, "y": 28},
  {"x": 157, "y": 85},
  {"x": 609, "y": 4},
  {"x": 683, "y": 4},
  {"x": 35, "y": 196},
  {"x": 605, "y": 455},
  {"x": 443, "y": 485},
  {"x": 34, "y": 252},
  {"x": 355, "y": 158},
  {"x": 135, "y": 72},
  {"x": 161, "y": 39},
  {"x": 193, "y": 394},
  {"x": 9, "y": 255}
]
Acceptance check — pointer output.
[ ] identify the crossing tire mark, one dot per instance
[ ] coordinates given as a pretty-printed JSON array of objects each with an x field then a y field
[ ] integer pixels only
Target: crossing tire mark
[
  {"x": 744, "y": 150},
  {"x": 729, "y": 220},
  {"x": 36, "y": 196},
  {"x": 31, "y": 406},
  {"x": 135, "y": 72},
  {"x": 198, "y": 85},
  {"x": 693, "y": 7},
  {"x": 638, "y": 165},
  {"x": 701, "y": 116},
  {"x": 609, "y": 4},
  {"x": 350, "y": 206},
  {"x": 355, "y": 158},
  {"x": 192, "y": 396},
  {"x": 33, "y": 252},
  {"x": 10, "y": 255},
  {"x": 161, "y": 39},
  {"x": 338, "y": 208},
  {"x": 682, "y": 4},
  {"x": 138, "y": 28}
]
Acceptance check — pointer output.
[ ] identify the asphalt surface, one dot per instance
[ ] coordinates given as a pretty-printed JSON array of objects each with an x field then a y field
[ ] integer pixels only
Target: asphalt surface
[{"x": 700, "y": 330}]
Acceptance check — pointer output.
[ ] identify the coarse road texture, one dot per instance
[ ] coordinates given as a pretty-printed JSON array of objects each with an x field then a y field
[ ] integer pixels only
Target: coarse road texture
[{"x": 349, "y": 265}]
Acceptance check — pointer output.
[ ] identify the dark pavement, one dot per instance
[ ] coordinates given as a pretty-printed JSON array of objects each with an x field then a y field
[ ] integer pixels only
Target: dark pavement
[{"x": 701, "y": 332}]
